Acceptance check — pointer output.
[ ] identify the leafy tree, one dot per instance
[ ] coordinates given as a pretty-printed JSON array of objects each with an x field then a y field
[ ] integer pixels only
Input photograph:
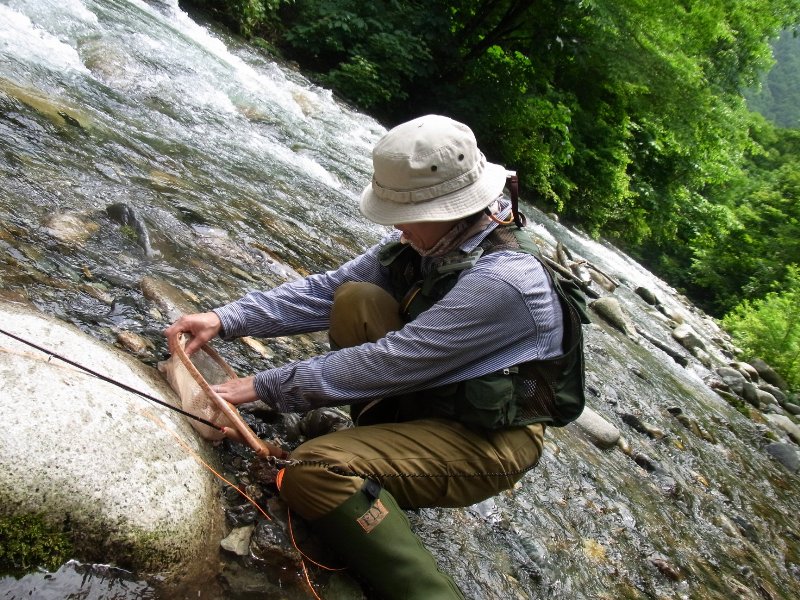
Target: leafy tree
[
  {"x": 757, "y": 232},
  {"x": 369, "y": 52},
  {"x": 248, "y": 17},
  {"x": 769, "y": 328}
]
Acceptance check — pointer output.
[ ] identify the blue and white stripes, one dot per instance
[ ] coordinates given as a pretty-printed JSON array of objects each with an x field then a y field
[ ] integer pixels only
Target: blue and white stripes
[{"x": 501, "y": 312}]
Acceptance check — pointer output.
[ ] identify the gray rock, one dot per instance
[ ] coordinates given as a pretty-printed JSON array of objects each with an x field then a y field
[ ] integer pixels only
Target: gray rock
[
  {"x": 791, "y": 408},
  {"x": 602, "y": 433},
  {"x": 747, "y": 370},
  {"x": 733, "y": 379},
  {"x": 171, "y": 301},
  {"x": 647, "y": 296},
  {"x": 609, "y": 309},
  {"x": 768, "y": 374},
  {"x": 70, "y": 229},
  {"x": 775, "y": 391},
  {"x": 786, "y": 424},
  {"x": 688, "y": 338},
  {"x": 786, "y": 455},
  {"x": 765, "y": 397},
  {"x": 751, "y": 394},
  {"x": 238, "y": 540},
  {"x": 671, "y": 313},
  {"x": 79, "y": 449}
]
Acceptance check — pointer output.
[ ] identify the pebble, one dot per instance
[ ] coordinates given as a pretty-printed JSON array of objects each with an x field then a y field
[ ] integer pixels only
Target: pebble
[{"x": 238, "y": 540}]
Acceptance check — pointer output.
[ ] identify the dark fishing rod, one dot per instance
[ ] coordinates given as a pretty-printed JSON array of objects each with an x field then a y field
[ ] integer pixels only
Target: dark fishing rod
[{"x": 107, "y": 379}]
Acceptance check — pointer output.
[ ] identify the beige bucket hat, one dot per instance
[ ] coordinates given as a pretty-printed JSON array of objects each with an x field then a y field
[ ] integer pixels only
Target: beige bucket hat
[{"x": 429, "y": 169}]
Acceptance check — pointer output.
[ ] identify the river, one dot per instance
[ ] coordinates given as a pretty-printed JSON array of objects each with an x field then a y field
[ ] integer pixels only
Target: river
[{"x": 239, "y": 173}]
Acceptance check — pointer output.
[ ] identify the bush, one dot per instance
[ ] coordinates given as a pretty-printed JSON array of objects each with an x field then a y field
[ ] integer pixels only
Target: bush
[{"x": 770, "y": 328}]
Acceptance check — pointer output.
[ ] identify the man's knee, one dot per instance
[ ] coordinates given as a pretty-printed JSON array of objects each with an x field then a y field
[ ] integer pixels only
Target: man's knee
[
  {"x": 316, "y": 482},
  {"x": 362, "y": 312}
]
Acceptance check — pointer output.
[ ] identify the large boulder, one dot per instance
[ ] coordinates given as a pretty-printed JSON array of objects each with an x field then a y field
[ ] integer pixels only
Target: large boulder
[{"x": 120, "y": 470}]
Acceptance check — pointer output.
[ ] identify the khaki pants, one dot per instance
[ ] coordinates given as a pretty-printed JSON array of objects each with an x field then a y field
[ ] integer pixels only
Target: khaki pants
[{"x": 426, "y": 462}]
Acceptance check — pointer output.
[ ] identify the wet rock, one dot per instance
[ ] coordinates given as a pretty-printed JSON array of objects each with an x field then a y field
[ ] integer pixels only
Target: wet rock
[
  {"x": 70, "y": 229},
  {"x": 241, "y": 515},
  {"x": 135, "y": 342},
  {"x": 672, "y": 314},
  {"x": 594, "y": 551},
  {"x": 791, "y": 408},
  {"x": 238, "y": 540},
  {"x": 727, "y": 526},
  {"x": 746, "y": 528},
  {"x": 673, "y": 353},
  {"x": 609, "y": 309},
  {"x": 289, "y": 427},
  {"x": 124, "y": 312},
  {"x": 733, "y": 379},
  {"x": 84, "y": 451},
  {"x": 624, "y": 446},
  {"x": 324, "y": 420},
  {"x": 666, "y": 568},
  {"x": 747, "y": 370},
  {"x": 601, "y": 433},
  {"x": 642, "y": 427},
  {"x": 688, "y": 338},
  {"x": 264, "y": 471},
  {"x": 750, "y": 393},
  {"x": 774, "y": 391},
  {"x": 644, "y": 461},
  {"x": 765, "y": 397},
  {"x": 647, "y": 296},
  {"x": 703, "y": 356},
  {"x": 270, "y": 543},
  {"x": 786, "y": 455},
  {"x": 127, "y": 216},
  {"x": 691, "y": 424},
  {"x": 785, "y": 424},
  {"x": 171, "y": 301},
  {"x": 601, "y": 279},
  {"x": 259, "y": 347},
  {"x": 52, "y": 108},
  {"x": 768, "y": 374}
]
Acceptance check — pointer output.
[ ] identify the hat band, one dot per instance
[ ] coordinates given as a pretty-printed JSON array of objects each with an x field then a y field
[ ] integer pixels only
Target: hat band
[{"x": 433, "y": 191}]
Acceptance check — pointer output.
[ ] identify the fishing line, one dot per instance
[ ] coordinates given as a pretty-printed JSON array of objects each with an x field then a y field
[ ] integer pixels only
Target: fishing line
[
  {"x": 180, "y": 442},
  {"x": 107, "y": 379}
]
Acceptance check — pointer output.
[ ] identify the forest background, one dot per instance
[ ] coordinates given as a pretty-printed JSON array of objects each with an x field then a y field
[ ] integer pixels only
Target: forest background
[{"x": 670, "y": 128}]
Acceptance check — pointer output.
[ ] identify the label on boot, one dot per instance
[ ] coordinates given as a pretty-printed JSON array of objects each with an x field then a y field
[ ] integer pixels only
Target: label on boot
[{"x": 372, "y": 518}]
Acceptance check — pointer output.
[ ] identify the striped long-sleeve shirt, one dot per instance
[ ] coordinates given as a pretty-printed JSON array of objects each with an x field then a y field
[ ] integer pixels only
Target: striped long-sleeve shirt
[{"x": 501, "y": 312}]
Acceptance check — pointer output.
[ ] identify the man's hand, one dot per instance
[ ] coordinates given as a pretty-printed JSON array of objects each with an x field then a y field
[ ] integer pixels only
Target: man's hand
[
  {"x": 237, "y": 391},
  {"x": 200, "y": 326}
]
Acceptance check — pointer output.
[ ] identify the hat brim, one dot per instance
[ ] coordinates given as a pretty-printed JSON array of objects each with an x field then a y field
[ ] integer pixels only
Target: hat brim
[{"x": 456, "y": 205}]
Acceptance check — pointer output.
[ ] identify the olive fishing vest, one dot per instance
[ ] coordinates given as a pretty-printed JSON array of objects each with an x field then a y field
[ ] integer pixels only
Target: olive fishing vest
[{"x": 547, "y": 391}]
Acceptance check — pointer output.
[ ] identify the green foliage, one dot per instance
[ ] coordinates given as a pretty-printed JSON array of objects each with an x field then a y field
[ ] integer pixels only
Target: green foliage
[
  {"x": 369, "y": 52},
  {"x": 27, "y": 543},
  {"x": 248, "y": 17},
  {"x": 755, "y": 229},
  {"x": 769, "y": 328}
]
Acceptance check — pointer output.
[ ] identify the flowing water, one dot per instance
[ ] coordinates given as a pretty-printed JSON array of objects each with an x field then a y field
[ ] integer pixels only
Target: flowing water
[{"x": 137, "y": 144}]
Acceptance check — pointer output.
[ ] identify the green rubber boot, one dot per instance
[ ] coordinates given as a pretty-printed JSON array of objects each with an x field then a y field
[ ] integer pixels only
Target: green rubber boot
[{"x": 374, "y": 536}]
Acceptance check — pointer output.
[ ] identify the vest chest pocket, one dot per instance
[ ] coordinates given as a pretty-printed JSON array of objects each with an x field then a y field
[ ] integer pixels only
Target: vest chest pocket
[{"x": 488, "y": 401}]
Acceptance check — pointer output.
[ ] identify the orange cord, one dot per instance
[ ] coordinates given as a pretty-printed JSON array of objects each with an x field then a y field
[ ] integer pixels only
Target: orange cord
[
  {"x": 199, "y": 459},
  {"x": 278, "y": 481}
]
